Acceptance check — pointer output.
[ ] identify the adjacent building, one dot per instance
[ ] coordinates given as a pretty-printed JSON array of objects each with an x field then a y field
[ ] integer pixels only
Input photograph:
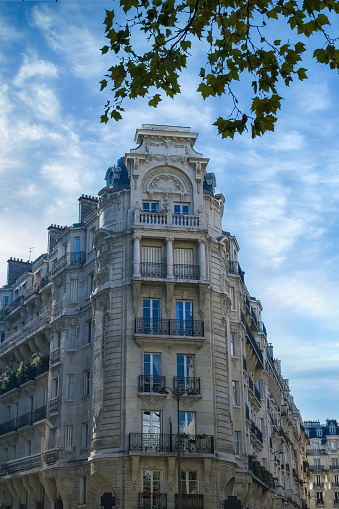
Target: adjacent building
[
  {"x": 138, "y": 320},
  {"x": 323, "y": 459}
]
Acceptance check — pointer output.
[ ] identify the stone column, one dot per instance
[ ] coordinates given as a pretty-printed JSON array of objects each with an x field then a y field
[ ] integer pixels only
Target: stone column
[
  {"x": 136, "y": 257},
  {"x": 169, "y": 257},
  {"x": 202, "y": 259}
]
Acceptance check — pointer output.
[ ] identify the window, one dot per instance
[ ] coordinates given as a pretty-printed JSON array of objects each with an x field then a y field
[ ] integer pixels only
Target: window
[
  {"x": 148, "y": 206},
  {"x": 180, "y": 208},
  {"x": 28, "y": 448},
  {"x": 189, "y": 482},
  {"x": 55, "y": 387},
  {"x": 72, "y": 338},
  {"x": 87, "y": 382},
  {"x": 184, "y": 267},
  {"x": 5, "y": 301},
  {"x": 237, "y": 443},
  {"x": 74, "y": 290},
  {"x": 233, "y": 345},
  {"x": 90, "y": 283},
  {"x": 318, "y": 480},
  {"x": 319, "y": 432},
  {"x": 151, "y": 480},
  {"x": 151, "y": 428},
  {"x": 332, "y": 429},
  {"x": 316, "y": 463},
  {"x": 184, "y": 318},
  {"x": 70, "y": 387},
  {"x": 336, "y": 480},
  {"x": 315, "y": 447},
  {"x": 336, "y": 496},
  {"x": 83, "y": 491},
  {"x": 151, "y": 372},
  {"x": 186, "y": 374},
  {"x": 13, "y": 452},
  {"x": 187, "y": 422},
  {"x": 334, "y": 463},
  {"x": 68, "y": 438},
  {"x": 319, "y": 496},
  {"x": 151, "y": 262},
  {"x": 235, "y": 392},
  {"x": 57, "y": 340},
  {"x": 232, "y": 298},
  {"x": 333, "y": 445},
  {"x": 84, "y": 435},
  {"x": 89, "y": 332},
  {"x": 151, "y": 316},
  {"x": 2, "y": 336},
  {"x": 58, "y": 293}
]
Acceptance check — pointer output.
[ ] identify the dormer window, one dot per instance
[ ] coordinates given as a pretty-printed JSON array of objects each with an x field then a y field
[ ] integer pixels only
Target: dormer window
[
  {"x": 332, "y": 429},
  {"x": 181, "y": 209},
  {"x": 319, "y": 432}
]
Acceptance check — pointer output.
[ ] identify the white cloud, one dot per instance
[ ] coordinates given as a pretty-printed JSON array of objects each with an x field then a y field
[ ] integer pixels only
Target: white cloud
[
  {"x": 42, "y": 101},
  {"x": 34, "y": 68}
]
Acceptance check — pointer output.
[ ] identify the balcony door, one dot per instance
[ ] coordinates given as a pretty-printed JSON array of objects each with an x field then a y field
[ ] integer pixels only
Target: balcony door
[
  {"x": 184, "y": 264},
  {"x": 151, "y": 489},
  {"x": 185, "y": 373},
  {"x": 151, "y": 265},
  {"x": 151, "y": 316},
  {"x": 152, "y": 372},
  {"x": 151, "y": 429},
  {"x": 184, "y": 318}
]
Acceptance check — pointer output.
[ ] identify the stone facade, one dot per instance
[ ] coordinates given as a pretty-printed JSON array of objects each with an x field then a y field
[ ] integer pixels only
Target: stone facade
[
  {"x": 143, "y": 300},
  {"x": 323, "y": 459}
]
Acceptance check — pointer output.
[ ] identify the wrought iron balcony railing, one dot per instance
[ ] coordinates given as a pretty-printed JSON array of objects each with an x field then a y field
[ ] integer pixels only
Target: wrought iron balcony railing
[
  {"x": 169, "y": 327},
  {"x": 188, "y": 385},
  {"x": 21, "y": 464},
  {"x": 150, "y": 269},
  {"x": 234, "y": 268},
  {"x": 149, "y": 383},
  {"x": 256, "y": 432},
  {"x": 53, "y": 405},
  {"x": 55, "y": 356},
  {"x": 316, "y": 468},
  {"x": 152, "y": 500},
  {"x": 40, "y": 413},
  {"x": 183, "y": 271},
  {"x": 25, "y": 420},
  {"x": 318, "y": 485},
  {"x": 190, "y": 501},
  {"x": 8, "y": 426},
  {"x": 159, "y": 442},
  {"x": 69, "y": 260},
  {"x": 244, "y": 363},
  {"x": 51, "y": 456},
  {"x": 15, "y": 304},
  {"x": 247, "y": 412},
  {"x": 254, "y": 345}
]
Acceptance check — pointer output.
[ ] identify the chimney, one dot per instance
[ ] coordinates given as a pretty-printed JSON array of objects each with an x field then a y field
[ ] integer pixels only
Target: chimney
[
  {"x": 270, "y": 350},
  {"x": 15, "y": 268},
  {"x": 54, "y": 231},
  {"x": 86, "y": 205}
]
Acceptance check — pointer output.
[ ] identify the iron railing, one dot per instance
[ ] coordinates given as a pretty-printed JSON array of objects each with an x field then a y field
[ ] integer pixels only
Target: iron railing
[
  {"x": 40, "y": 413},
  {"x": 69, "y": 259},
  {"x": 150, "y": 269},
  {"x": 254, "y": 345},
  {"x": 51, "y": 456},
  {"x": 247, "y": 412},
  {"x": 169, "y": 327},
  {"x": 149, "y": 383},
  {"x": 15, "y": 304},
  {"x": 186, "y": 385},
  {"x": 22, "y": 464},
  {"x": 152, "y": 500},
  {"x": 8, "y": 426},
  {"x": 55, "y": 356},
  {"x": 53, "y": 405},
  {"x": 234, "y": 268},
  {"x": 316, "y": 468},
  {"x": 256, "y": 432},
  {"x": 190, "y": 501},
  {"x": 184, "y": 271},
  {"x": 25, "y": 420},
  {"x": 159, "y": 442},
  {"x": 318, "y": 485}
]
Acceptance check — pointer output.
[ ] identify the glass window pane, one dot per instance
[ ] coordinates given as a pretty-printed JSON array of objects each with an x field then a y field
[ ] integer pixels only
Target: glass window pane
[
  {"x": 156, "y": 365},
  {"x": 185, "y": 209},
  {"x": 179, "y": 310},
  {"x": 180, "y": 365},
  {"x": 145, "y": 207},
  {"x": 147, "y": 364},
  {"x": 176, "y": 209},
  {"x": 146, "y": 312}
]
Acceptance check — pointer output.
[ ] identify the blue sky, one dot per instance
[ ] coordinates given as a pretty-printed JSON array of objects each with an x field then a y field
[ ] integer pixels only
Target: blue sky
[{"x": 281, "y": 190}]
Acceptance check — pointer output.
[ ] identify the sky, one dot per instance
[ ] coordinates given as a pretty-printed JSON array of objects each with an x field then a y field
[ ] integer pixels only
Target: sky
[{"x": 281, "y": 190}]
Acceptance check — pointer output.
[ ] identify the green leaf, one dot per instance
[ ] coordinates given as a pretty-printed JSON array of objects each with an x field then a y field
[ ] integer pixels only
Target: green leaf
[
  {"x": 103, "y": 84},
  {"x": 302, "y": 73},
  {"x": 154, "y": 101}
]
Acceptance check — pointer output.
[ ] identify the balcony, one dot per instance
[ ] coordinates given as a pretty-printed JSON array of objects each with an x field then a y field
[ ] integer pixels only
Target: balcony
[
  {"x": 282, "y": 434},
  {"x": 247, "y": 412},
  {"x": 255, "y": 431},
  {"x": 8, "y": 426},
  {"x": 153, "y": 270},
  {"x": 14, "y": 305},
  {"x": 190, "y": 501},
  {"x": 25, "y": 420},
  {"x": 51, "y": 456},
  {"x": 167, "y": 220},
  {"x": 53, "y": 406},
  {"x": 169, "y": 327},
  {"x": 40, "y": 413},
  {"x": 318, "y": 485},
  {"x": 336, "y": 501},
  {"x": 182, "y": 271},
  {"x": 335, "y": 484},
  {"x": 320, "y": 502},
  {"x": 244, "y": 363},
  {"x": 20, "y": 465},
  {"x": 254, "y": 345},
  {"x": 159, "y": 442},
  {"x": 234, "y": 268},
  {"x": 152, "y": 500},
  {"x": 254, "y": 390},
  {"x": 55, "y": 356},
  {"x": 316, "y": 468},
  {"x": 316, "y": 452},
  {"x": 74, "y": 259},
  {"x": 149, "y": 383},
  {"x": 186, "y": 385},
  {"x": 334, "y": 466}
]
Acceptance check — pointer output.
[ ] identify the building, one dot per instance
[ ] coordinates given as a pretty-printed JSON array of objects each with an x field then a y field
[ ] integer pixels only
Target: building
[
  {"x": 144, "y": 299},
  {"x": 323, "y": 459}
]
